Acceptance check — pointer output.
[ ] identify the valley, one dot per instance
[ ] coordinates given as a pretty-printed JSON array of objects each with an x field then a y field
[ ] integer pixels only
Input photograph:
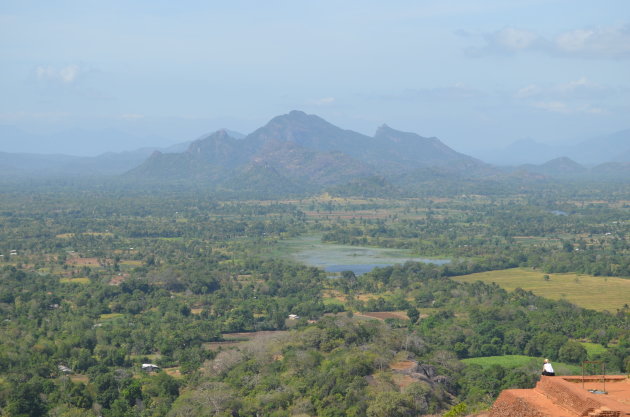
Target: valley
[{"x": 248, "y": 305}]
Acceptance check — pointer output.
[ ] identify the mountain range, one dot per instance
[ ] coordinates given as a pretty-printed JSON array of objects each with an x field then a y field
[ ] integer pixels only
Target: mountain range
[
  {"x": 305, "y": 151},
  {"x": 299, "y": 152},
  {"x": 601, "y": 149}
]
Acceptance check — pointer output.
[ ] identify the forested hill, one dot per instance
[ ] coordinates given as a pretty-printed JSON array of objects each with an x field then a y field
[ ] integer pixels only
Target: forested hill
[{"x": 307, "y": 150}]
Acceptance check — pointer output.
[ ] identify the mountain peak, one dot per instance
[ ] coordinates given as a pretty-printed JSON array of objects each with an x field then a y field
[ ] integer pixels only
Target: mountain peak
[
  {"x": 297, "y": 113},
  {"x": 309, "y": 131},
  {"x": 383, "y": 129},
  {"x": 300, "y": 118}
]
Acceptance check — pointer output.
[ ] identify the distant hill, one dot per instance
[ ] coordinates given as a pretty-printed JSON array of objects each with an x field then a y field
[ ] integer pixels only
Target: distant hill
[
  {"x": 523, "y": 151},
  {"x": 399, "y": 152},
  {"x": 77, "y": 142},
  {"x": 622, "y": 157},
  {"x": 298, "y": 152},
  {"x": 612, "y": 171},
  {"x": 558, "y": 167},
  {"x": 614, "y": 147},
  {"x": 18, "y": 165},
  {"x": 565, "y": 168},
  {"x": 304, "y": 150},
  {"x": 601, "y": 149},
  {"x": 212, "y": 158}
]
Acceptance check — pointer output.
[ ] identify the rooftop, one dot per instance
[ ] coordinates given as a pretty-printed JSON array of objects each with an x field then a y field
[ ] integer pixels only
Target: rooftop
[{"x": 570, "y": 396}]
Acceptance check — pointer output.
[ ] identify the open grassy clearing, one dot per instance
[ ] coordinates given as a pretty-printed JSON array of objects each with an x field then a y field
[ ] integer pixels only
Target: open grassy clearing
[
  {"x": 71, "y": 235},
  {"x": 593, "y": 349},
  {"x": 81, "y": 280},
  {"x": 110, "y": 316},
  {"x": 174, "y": 372},
  {"x": 597, "y": 293},
  {"x": 516, "y": 361},
  {"x": 507, "y": 361},
  {"x": 76, "y": 378},
  {"x": 336, "y": 297},
  {"x": 131, "y": 262},
  {"x": 232, "y": 340},
  {"x": 382, "y": 315}
]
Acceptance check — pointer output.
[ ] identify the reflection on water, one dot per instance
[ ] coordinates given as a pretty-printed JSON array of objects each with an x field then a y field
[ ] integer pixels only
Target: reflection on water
[
  {"x": 358, "y": 259},
  {"x": 358, "y": 269}
]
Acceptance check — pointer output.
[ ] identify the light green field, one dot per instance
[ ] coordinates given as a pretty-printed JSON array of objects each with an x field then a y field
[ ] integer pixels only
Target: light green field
[
  {"x": 82, "y": 280},
  {"x": 130, "y": 262},
  {"x": 507, "y": 361},
  {"x": 597, "y": 293},
  {"x": 593, "y": 349},
  {"x": 110, "y": 316},
  {"x": 516, "y": 361}
]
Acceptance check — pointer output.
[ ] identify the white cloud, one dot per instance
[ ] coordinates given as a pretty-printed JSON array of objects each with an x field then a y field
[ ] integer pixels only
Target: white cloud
[
  {"x": 513, "y": 39},
  {"x": 565, "y": 108},
  {"x": 612, "y": 42},
  {"x": 573, "y": 97},
  {"x": 529, "y": 91},
  {"x": 582, "y": 88},
  {"x": 69, "y": 74},
  {"x": 64, "y": 75},
  {"x": 508, "y": 40},
  {"x": 573, "y": 41},
  {"x": 601, "y": 42}
]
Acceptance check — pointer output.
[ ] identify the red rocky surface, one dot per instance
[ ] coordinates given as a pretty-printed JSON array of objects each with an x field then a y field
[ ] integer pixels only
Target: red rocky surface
[{"x": 566, "y": 397}]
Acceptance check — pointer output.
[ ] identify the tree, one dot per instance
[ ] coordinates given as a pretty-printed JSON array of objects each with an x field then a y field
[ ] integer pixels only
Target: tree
[
  {"x": 413, "y": 314},
  {"x": 572, "y": 352},
  {"x": 26, "y": 400},
  {"x": 391, "y": 404},
  {"x": 457, "y": 410}
]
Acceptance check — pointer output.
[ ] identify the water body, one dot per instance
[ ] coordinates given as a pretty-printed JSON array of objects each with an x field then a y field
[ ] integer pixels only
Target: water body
[{"x": 358, "y": 259}]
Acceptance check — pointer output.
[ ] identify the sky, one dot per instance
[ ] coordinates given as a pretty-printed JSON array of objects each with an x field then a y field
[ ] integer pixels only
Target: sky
[{"x": 476, "y": 74}]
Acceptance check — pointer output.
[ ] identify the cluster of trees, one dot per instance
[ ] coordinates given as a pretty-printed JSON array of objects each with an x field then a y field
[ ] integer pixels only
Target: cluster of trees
[
  {"x": 478, "y": 319},
  {"x": 338, "y": 367},
  {"x": 106, "y": 332}
]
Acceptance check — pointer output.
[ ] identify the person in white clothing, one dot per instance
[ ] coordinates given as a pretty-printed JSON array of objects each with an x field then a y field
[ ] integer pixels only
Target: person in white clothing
[{"x": 548, "y": 369}]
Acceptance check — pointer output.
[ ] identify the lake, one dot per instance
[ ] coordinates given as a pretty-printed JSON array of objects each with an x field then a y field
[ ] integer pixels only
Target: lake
[{"x": 358, "y": 259}]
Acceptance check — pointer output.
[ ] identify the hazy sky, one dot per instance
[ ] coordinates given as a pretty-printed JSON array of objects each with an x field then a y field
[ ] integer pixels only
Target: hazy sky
[{"x": 473, "y": 73}]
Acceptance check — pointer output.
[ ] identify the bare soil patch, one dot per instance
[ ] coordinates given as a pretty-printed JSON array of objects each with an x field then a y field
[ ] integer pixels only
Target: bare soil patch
[
  {"x": 234, "y": 339},
  {"x": 382, "y": 315},
  {"x": 118, "y": 279},
  {"x": 174, "y": 372},
  {"x": 402, "y": 380},
  {"x": 80, "y": 378},
  {"x": 402, "y": 365}
]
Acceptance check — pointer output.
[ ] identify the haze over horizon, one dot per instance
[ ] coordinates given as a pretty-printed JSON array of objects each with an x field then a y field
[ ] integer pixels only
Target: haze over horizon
[{"x": 477, "y": 75}]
